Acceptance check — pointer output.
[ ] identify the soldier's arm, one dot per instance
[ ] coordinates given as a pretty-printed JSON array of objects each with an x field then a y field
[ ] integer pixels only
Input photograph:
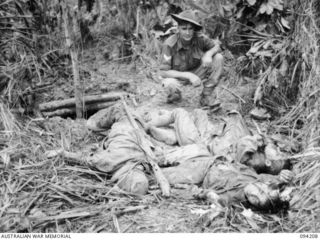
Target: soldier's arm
[
  {"x": 211, "y": 46},
  {"x": 166, "y": 71},
  {"x": 176, "y": 74}
]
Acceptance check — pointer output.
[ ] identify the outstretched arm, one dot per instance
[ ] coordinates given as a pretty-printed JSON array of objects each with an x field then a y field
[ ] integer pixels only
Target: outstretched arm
[{"x": 62, "y": 152}]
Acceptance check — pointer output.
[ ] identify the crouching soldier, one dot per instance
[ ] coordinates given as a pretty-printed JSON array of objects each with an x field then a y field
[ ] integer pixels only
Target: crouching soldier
[{"x": 191, "y": 57}]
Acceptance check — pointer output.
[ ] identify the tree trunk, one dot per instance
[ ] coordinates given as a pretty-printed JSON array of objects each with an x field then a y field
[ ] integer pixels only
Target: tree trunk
[
  {"x": 74, "y": 58},
  {"x": 99, "y": 12}
]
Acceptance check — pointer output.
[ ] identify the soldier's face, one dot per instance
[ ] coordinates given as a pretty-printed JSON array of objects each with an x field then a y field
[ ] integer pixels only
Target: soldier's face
[
  {"x": 257, "y": 162},
  {"x": 186, "y": 31},
  {"x": 261, "y": 195}
]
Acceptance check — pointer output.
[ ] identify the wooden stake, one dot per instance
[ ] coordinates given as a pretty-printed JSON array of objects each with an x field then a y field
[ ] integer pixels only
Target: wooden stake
[{"x": 74, "y": 58}]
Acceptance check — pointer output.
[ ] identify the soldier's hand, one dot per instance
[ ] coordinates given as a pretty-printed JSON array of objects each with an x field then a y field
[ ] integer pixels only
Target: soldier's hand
[
  {"x": 194, "y": 80},
  {"x": 54, "y": 153},
  {"x": 206, "y": 60},
  {"x": 286, "y": 176},
  {"x": 217, "y": 42}
]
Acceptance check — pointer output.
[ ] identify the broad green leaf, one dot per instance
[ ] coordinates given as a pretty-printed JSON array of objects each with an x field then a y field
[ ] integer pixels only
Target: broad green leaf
[
  {"x": 260, "y": 26},
  {"x": 255, "y": 48},
  {"x": 264, "y": 53},
  {"x": 251, "y": 2},
  {"x": 228, "y": 10},
  {"x": 277, "y": 4},
  {"x": 267, "y": 44},
  {"x": 270, "y": 6},
  {"x": 279, "y": 26},
  {"x": 284, "y": 68},
  {"x": 285, "y": 23},
  {"x": 265, "y": 8},
  {"x": 240, "y": 12},
  {"x": 269, "y": 9},
  {"x": 273, "y": 78},
  {"x": 278, "y": 46},
  {"x": 228, "y": 7},
  {"x": 248, "y": 214}
]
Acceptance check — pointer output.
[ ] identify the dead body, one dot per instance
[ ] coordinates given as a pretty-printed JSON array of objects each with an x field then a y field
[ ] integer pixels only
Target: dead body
[
  {"x": 196, "y": 144},
  {"x": 238, "y": 157}
]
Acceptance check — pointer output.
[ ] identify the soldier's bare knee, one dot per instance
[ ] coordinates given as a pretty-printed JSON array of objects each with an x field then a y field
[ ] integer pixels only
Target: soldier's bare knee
[{"x": 218, "y": 58}]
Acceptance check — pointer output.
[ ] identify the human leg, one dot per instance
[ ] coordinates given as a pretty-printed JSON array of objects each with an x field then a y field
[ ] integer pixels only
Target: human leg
[
  {"x": 186, "y": 130},
  {"x": 210, "y": 77},
  {"x": 131, "y": 178}
]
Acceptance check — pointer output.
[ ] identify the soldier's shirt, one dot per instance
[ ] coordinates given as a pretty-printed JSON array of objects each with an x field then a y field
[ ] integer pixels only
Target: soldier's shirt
[{"x": 176, "y": 56}]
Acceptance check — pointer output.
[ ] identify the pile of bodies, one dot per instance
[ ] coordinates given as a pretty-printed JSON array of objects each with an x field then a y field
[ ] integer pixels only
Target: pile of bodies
[{"x": 224, "y": 160}]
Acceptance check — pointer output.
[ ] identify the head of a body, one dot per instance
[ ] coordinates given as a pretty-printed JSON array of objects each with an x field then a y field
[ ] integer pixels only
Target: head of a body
[{"x": 266, "y": 196}]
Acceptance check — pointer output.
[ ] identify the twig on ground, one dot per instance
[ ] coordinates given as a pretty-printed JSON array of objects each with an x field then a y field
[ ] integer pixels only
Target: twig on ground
[
  {"x": 116, "y": 223},
  {"x": 233, "y": 93}
]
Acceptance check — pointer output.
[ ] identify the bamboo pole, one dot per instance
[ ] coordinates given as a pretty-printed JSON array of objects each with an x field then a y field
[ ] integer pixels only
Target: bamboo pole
[
  {"x": 71, "y": 102},
  {"x": 74, "y": 58},
  {"x": 71, "y": 111}
]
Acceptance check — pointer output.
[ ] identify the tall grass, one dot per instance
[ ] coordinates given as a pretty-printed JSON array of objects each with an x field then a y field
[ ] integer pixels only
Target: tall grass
[{"x": 306, "y": 203}]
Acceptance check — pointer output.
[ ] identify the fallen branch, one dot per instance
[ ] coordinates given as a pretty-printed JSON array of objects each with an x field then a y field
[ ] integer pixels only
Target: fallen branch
[
  {"x": 258, "y": 94},
  {"x": 236, "y": 95},
  {"x": 70, "y": 102},
  {"x": 74, "y": 213},
  {"x": 116, "y": 223},
  {"x": 129, "y": 209},
  {"x": 71, "y": 111},
  {"x": 145, "y": 147}
]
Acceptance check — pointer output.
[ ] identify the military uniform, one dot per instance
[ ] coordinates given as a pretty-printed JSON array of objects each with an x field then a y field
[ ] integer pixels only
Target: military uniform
[{"x": 179, "y": 57}]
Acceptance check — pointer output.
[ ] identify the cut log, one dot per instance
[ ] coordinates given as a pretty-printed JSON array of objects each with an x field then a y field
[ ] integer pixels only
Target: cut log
[
  {"x": 70, "y": 102},
  {"x": 70, "y": 111}
]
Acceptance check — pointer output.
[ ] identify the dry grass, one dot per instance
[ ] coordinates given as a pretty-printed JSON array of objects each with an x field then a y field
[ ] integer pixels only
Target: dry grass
[
  {"x": 306, "y": 204},
  {"x": 42, "y": 195}
]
